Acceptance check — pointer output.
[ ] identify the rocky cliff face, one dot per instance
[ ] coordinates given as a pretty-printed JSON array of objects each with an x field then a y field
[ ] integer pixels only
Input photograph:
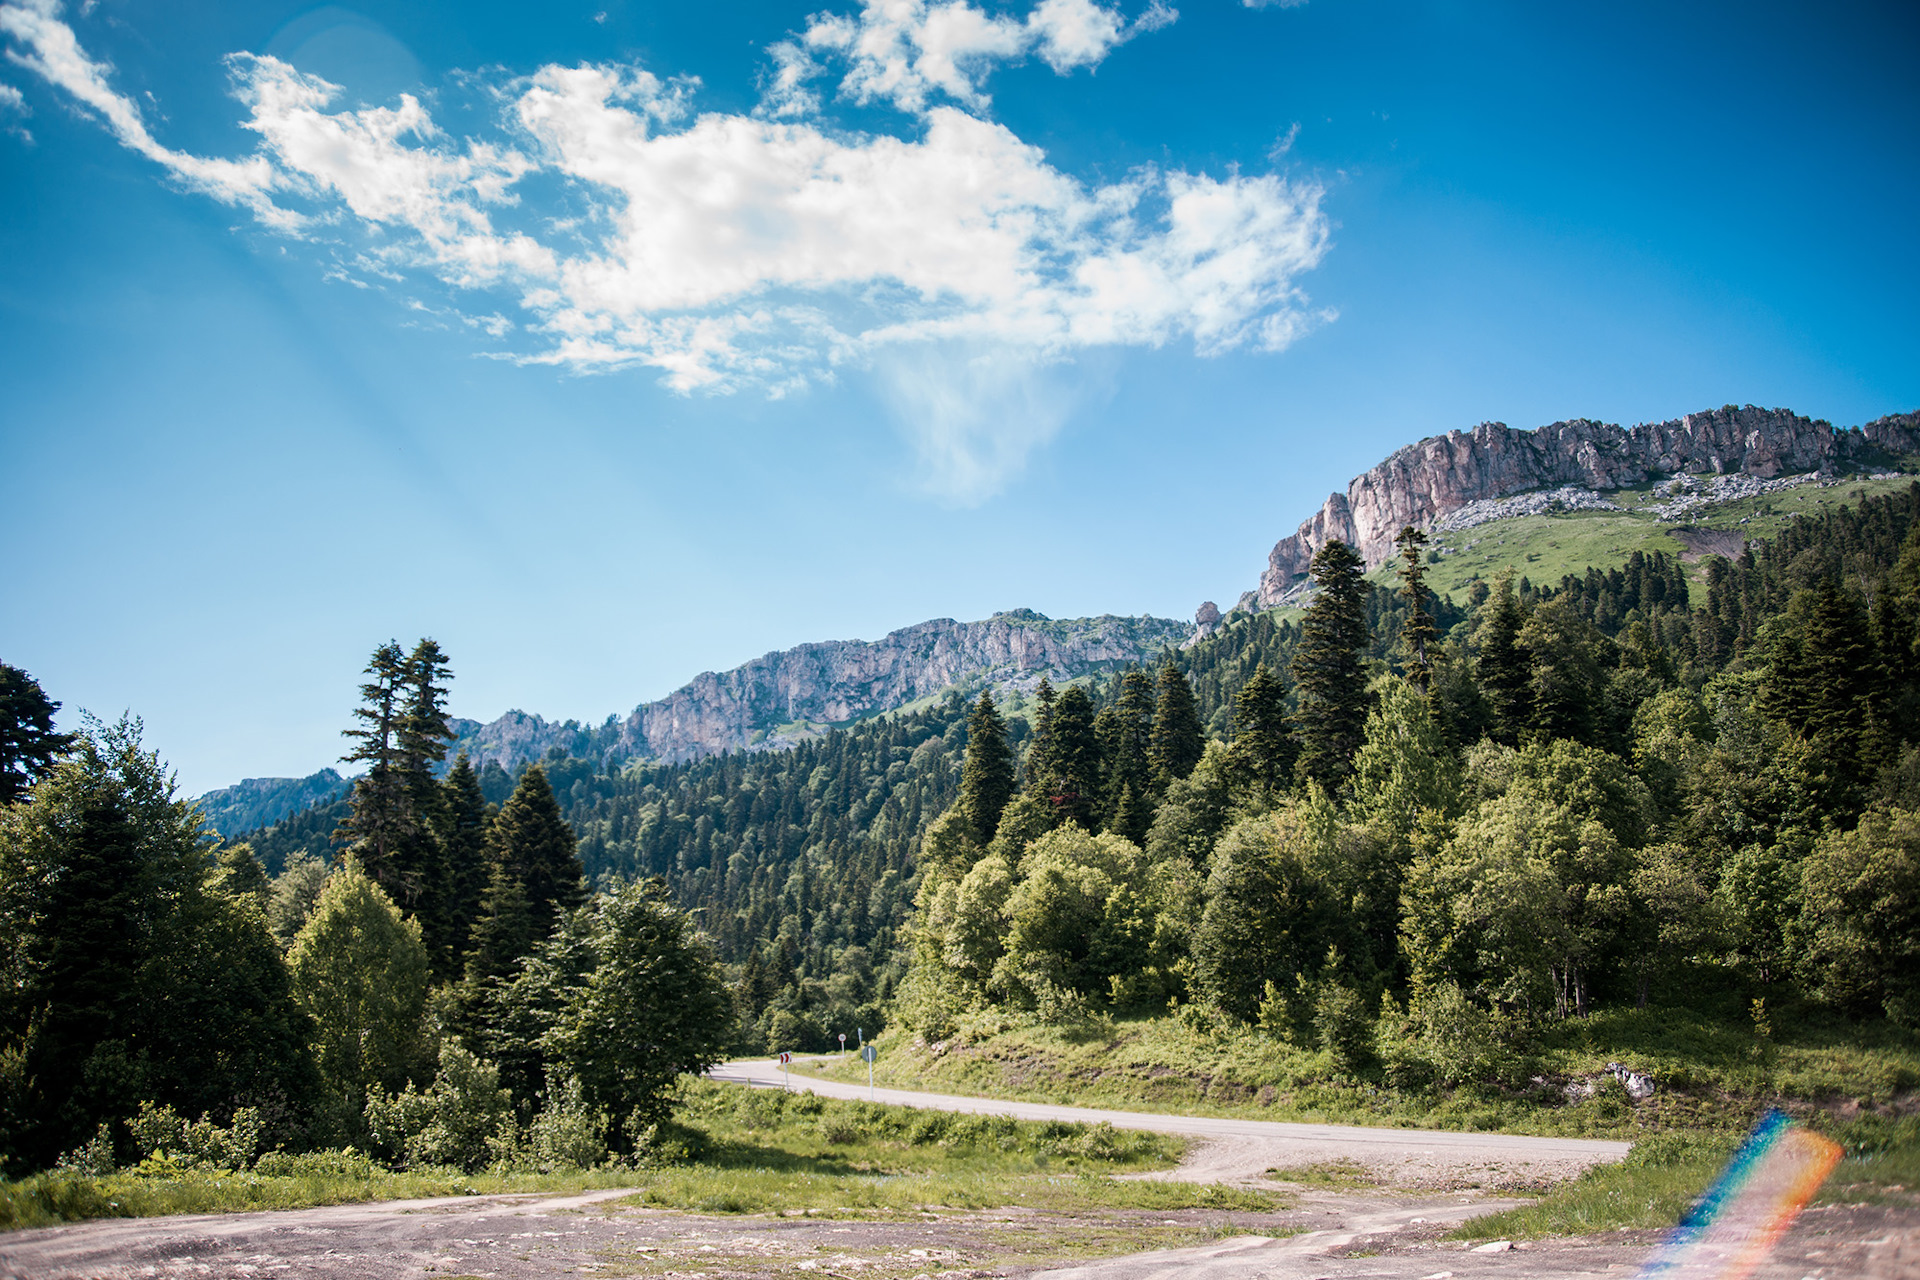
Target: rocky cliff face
[
  {"x": 1424, "y": 481},
  {"x": 783, "y": 697},
  {"x": 261, "y": 802}
]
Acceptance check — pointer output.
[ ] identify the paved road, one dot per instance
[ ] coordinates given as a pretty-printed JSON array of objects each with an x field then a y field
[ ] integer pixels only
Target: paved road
[{"x": 1242, "y": 1149}]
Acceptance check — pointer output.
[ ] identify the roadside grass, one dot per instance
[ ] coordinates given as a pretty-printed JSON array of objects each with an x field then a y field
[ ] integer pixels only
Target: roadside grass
[
  {"x": 740, "y": 1151},
  {"x": 764, "y": 1151},
  {"x": 1710, "y": 1069},
  {"x": 1664, "y": 1175}
]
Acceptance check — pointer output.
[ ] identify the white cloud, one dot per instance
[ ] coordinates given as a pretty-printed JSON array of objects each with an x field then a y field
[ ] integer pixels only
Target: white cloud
[
  {"x": 47, "y": 47},
  {"x": 11, "y": 99},
  {"x": 909, "y": 52},
  {"x": 768, "y": 252}
]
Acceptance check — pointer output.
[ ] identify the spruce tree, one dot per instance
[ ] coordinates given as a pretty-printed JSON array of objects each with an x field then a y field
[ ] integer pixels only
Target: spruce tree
[
  {"x": 1071, "y": 782},
  {"x": 986, "y": 780},
  {"x": 531, "y": 843},
  {"x": 1039, "y": 765},
  {"x": 461, "y": 829},
  {"x": 28, "y": 744},
  {"x": 1418, "y": 631},
  {"x": 1178, "y": 740},
  {"x": 1264, "y": 748},
  {"x": 1327, "y": 670},
  {"x": 1503, "y": 666},
  {"x": 420, "y": 876},
  {"x": 377, "y": 814},
  {"x": 1125, "y": 733}
]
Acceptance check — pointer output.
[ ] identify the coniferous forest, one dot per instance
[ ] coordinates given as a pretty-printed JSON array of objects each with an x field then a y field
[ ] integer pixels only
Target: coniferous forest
[{"x": 1409, "y": 831}]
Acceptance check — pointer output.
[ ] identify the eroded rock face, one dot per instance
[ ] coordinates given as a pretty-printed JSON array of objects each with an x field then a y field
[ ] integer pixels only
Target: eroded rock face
[
  {"x": 1424, "y": 481},
  {"x": 784, "y": 697}
]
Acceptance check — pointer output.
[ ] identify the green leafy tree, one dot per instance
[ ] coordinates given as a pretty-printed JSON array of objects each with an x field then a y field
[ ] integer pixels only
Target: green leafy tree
[
  {"x": 1860, "y": 926},
  {"x": 1417, "y": 632},
  {"x": 654, "y": 1007},
  {"x": 1404, "y": 768},
  {"x": 1178, "y": 737},
  {"x": 1327, "y": 669},
  {"x": 28, "y": 743},
  {"x": 360, "y": 972},
  {"x": 986, "y": 779}
]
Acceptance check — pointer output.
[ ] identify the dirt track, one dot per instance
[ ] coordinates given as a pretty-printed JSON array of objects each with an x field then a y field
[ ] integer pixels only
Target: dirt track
[{"x": 1242, "y": 1150}]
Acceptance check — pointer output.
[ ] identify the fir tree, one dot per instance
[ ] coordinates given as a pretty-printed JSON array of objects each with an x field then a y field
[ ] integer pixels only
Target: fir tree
[
  {"x": 378, "y": 812},
  {"x": 28, "y": 744},
  {"x": 1125, "y": 732},
  {"x": 1503, "y": 666},
  {"x": 461, "y": 830},
  {"x": 1327, "y": 669},
  {"x": 1178, "y": 740},
  {"x": 1039, "y": 767},
  {"x": 420, "y": 876},
  {"x": 986, "y": 780},
  {"x": 1418, "y": 631},
  {"x": 503, "y": 931},
  {"x": 1071, "y": 782},
  {"x": 1264, "y": 748},
  {"x": 531, "y": 843}
]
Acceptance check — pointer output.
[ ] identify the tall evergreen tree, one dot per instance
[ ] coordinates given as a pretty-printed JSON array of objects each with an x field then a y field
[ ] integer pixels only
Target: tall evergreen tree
[
  {"x": 1264, "y": 748},
  {"x": 1178, "y": 740},
  {"x": 986, "y": 779},
  {"x": 1505, "y": 671},
  {"x": 1039, "y": 766},
  {"x": 28, "y": 744},
  {"x": 532, "y": 844},
  {"x": 460, "y": 827},
  {"x": 1125, "y": 733},
  {"x": 377, "y": 816},
  {"x": 420, "y": 879},
  {"x": 1417, "y": 633},
  {"x": 1327, "y": 670},
  {"x": 1071, "y": 782}
]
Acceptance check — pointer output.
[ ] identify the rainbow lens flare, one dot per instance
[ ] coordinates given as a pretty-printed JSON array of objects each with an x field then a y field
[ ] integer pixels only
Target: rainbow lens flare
[{"x": 1765, "y": 1186}]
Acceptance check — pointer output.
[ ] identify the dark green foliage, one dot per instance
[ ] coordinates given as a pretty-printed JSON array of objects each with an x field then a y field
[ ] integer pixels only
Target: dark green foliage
[
  {"x": 1068, "y": 773},
  {"x": 1417, "y": 633},
  {"x": 28, "y": 743},
  {"x": 131, "y": 971},
  {"x": 986, "y": 780},
  {"x": 1505, "y": 675},
  {"x": 1178, "y": 738},
  {"x": 1327, "y": 669},
  {"x": 1264, "y": 748},
  {"x": 377, "y": 816},
  {"x": 653, "y": 1007},
  {"x": 460, "y": 828},
  {"x": 1124, "y": 731},
  {"x": 532, "y": 845}
]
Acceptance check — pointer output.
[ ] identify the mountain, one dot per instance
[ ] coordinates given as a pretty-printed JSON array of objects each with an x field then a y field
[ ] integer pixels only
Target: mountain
[
  {"x": 1439, "y": 476},
  {"x": 261, "y": 802},
  {"x": 796, "y": 694}
]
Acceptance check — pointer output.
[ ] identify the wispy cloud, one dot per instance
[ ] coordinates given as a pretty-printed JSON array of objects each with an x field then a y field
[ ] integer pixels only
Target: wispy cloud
[{"x": 767, "y": 250}]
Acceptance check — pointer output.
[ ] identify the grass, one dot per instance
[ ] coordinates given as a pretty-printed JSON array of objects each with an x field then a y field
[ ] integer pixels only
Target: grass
[
  {"x": 1547, "y": 547},
  {"x": 751, "y": 1152},
  {"x": 763, "y": 1151},
  {"x": 1661, "y": 1178},
  {"x": 1710, "y": 1068}
]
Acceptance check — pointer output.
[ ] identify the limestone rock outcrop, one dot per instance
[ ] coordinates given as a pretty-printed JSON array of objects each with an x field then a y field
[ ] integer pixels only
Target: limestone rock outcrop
[
  {"x": 1425, "y": 481},
  {"x": 784, "y": 697}
]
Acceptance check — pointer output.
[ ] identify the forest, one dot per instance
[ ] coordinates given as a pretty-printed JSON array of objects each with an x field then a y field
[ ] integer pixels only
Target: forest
[{"x": 1406, "y": 830}]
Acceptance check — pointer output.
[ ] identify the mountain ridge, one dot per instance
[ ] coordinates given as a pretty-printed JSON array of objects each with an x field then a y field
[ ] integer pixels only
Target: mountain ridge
[{"x": 1420, "y": 483}]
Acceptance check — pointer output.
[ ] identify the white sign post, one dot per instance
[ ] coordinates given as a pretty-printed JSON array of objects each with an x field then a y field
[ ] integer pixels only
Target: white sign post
[
  {"x": 843, "y": 1044},
  {"x": 867, "y": 1052},
  {"x": 786, "y": 1085}
]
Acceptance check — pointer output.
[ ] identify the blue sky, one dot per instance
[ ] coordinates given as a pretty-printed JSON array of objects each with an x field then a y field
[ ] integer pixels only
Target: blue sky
[{"x": 615, "y": 341}]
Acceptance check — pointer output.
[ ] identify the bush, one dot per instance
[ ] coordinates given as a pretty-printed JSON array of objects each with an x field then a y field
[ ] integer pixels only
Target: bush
[
  {"x": 465, "y": 1119},
  {"x": 567, "y": 1134},
  {"x": 161, "y": 1135}
]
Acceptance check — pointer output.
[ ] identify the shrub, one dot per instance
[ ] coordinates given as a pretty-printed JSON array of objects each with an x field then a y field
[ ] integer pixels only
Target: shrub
[
  {"x": 568, "y": 1133},
  {"x": 162, "y": 1135}
]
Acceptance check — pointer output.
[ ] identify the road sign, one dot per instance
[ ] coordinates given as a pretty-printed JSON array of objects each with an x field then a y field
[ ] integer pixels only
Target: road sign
[
  {"x": 868, "y": 1052},
  {"x": 785, "y": 1058},
  {"x": 843, "y": 1042}
]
